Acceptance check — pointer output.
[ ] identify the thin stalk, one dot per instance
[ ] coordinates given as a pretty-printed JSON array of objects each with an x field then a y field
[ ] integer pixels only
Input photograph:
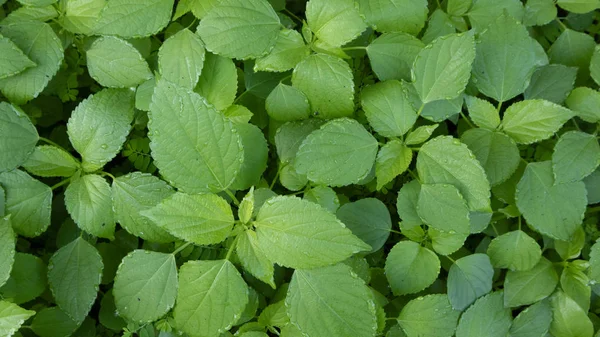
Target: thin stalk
[
  {"x": 64, "y": 182},
  {"x": 355, "y": 48},
  {"x": 462, "y": 114},
  {"x": 182, "y": 247},
  {"x": 233, "y": 198},
  {"x": 230, "y": 251}
]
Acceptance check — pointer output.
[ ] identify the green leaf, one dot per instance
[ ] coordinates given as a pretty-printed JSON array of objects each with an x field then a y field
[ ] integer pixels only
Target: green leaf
[
  {"x": 51, "y": 161},
  {"x": 584, "y": 102},
  {"x": 458, "y": 7},
  {"x": 27, "y": 280},
  {"x": 53, "y": 322},
  {"x": 539, "y": 12},
  {"x": 286, "y": 103},
  {"x": 392, "y": 54},
  {"x": 406, "y": 204},
  {"x": 392, "y": 160},
  {"x": 575, "y": 283},
  {"x": 300, "y": 234},
  {"x": 331, "y": 301},
  {"x": 578, "y": 6},
  {"x": 255, "y": 160},
  {"x": 571, "y": 249},
  {"x": 483, "y": 12},
  {"x": 8, "y": 240},
  {"x": 238, "y": 114},
  {"x": 253, "y": 259},
  {"x": 240, "y": 29},
  {"x": 446, "y": 243},
  {"x": 445, "y": 160},
  {"x": 13, "y": 60},
  {"x": 530, "y": 286},
  {"x": 328, "y": 84},
  {"x": 41, "y": 14},
  {"x": 199, "y": 8},
  {"x": 497, "y": 153},
  {"x": 88, "y": 201},
  {"x": 218, "y": 82},
  {"x": 407, "y": 16},
  {"x": 246, "y": 208},
  {"x": 514, "y": 250},
  {"x": 420, "y": 134},
  {"x": 438, "y": 202},
  {"x": 274, "y": 315},
  {"x": 573, "y": 49},
  {"x": 411, "y": 268},
  {"x": 555, "y": 210},
  {"x": 81, "y": 16},
  {"x": 483, "y": 113},
  {"x": 290, "y": 136},
  {"x": 99, "y": 126},
  {"x": 74, "y": 274},
  {"x": 28, "y": 201},
  {"x": 530, "y": 121},
  {"x": 18, "y": 137},
  {"x": 486, "y": 317},
  {"x": 552, "y": 82},
  {"x": 429, "y": 316},
  {"x": 107, "y": 316},
  {"x": 369, "y": 219},
  {"x": 36, "y": 3},
  {"x": 439, "y": 24},
  {"x": 323, "y": 196},
  {"x": 388, "y": 108},
  {"x": 134, "y": 18},
  {"x": 595, "y": 65},
  {"x": 594, "y": 271},
  {"x": 145, "y": 286},
  {"x": 469, "y": 278},
  {"x": 335, "y": 22},
  {"x": 289, "y": 50},
  {"x": 202, "y": 219},
  {"x": 442, "y": 69},
  {"x": 41, "y": 45},
  {"x": 340, "y": 153},
  {"x": 12, "y": 317},
  {"x": 194, "y": 146},
  {"x": 576, "y": 155},
  {"x": 181, "y": 58},
  {"x": 134, "y": 193},
  {"x": 505, "y": 59},
  {"x": 592, "y": 185},
  {"x": 568, "y": 319},
  {"x": 212, "y": 296},
  {"x": 533, "y": 321}
]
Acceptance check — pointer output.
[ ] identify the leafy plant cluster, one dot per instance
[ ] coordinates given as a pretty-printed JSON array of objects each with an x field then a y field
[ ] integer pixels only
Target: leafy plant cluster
[{"x": 330, "y": 168}]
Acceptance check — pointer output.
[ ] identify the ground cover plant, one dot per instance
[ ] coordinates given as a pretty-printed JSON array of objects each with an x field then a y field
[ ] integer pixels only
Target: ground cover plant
[{"x": 330, "y": 168}]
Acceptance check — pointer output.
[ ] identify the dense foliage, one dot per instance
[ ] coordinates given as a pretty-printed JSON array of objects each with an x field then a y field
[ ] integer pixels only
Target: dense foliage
[{"x": 330, "y": 168}]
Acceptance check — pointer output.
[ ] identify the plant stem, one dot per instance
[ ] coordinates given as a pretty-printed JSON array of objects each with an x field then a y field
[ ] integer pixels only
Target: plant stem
[
  {"x": 354, "y": 48},
  {"x": 230, "y": 251},
  {"x": 462, "y": 114},
  {"x": 64, "y": 182},
  {"x": 562, "y": 25},
  {"x": 233, "y": 198},
  {"x": 46, "y": 140},
  {"x": 102, "y": 173},
  {"x": 182, "y": 247},
  {"x": 288, "y": 12},
  {"x": 593, "y": 210},
  {"x": 275, "y": 179}
]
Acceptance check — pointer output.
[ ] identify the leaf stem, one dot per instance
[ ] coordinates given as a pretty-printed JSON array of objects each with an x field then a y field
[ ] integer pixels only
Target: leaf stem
[
  {"x": 230, "y": 250},
  {"x": 64, "y": 182},
  {"x": 562, "y": 25},
  {"x": 395, "y": 231},
  {"x": 524, "y": 161},
  {"x": 233, "y": 198},
  {"x": 288, "y": 12},
  {"x": 499, "y": 106},
  {"x": 462, "y": 114},
  {"x": 240, "y": 97},
  {"x": 414, "y": 175},
  {"x": 106, "y": 174},
  {"x": 593, "y": 210},
  {"x": 182, "y": 247},
  {"x": 275, "y": 179},
  {"x": 355, "y": 48},
  {"x": 46, "y": 140}
]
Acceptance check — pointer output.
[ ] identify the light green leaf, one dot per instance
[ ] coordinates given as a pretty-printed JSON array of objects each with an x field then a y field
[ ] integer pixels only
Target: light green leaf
[
  {"x": 458, "y": 7},
  {"x": 445, "y": 160},
  {"x": 411, "y": 268},
  {"x": 439, "y": 24},
  {"x": 395, "y": 15},
  {"x": 584, "y": 103},
  {"x": 552, "y": 82},
  {"x": 483, "y": 113},
  {"x": 446, "y": 243},
  {"x": 134, "y": 193},
  {"x": 198, "y": 8},
  {"x": 194, "y": 146},
  {"x": 484, "y": 12},
  {"x": 530, "y": 121},
  {"x": 286, "y": 103},
  {"x": 594, "y": 271},
  {"x": 28, "y": 201},
  {"x": 8, "y": 240},
  {"x": 469, "y": 278},
  {"x": 290, "y": 136},
  {"x": 240, "y": 29},
  {"x": 36, "y": 3},
  {"x": 41, "y": 45},
  {"x": 335, "y": 22},
  {"x": 145, "y": 285},
  {"x": 134, "y": 18},
  {"x": 369, "y": 219},
  {"x": 420, "y": 134},
  {"x": 74, "y": 274},
  {"x": 595, "y": 65},
  {"x": 28, "y": 279},
  {"x": 212, "y": 296},
  {"x": 388, "y": 108},
  {"x": 255, "y": 159},
  {"x": 392, "y": 160},
  {"x": 406, "y": 204},
  {"x": 439, "y": 202},
  {"x": 514, "y": 250},
  {"x": 289, "y": 50},
  {"x": 442, "y": 69},
  {"x": 533, "y": 321},
  {"x": 253, "y": 259},
  {"x": 12, "y": 317},
  {"x": 530, "y": 286},
  {"x": 53, "y": 322},
  {"x": 392, "y": 54},
  {"x": 300, "y": 234},
  {"x": 274, "y": 315},
  {"x": 13, "y": 60},
  {"x": 88, "y": 201},
  {"x": 292, "y": 180},
  {"x": 487, "y": 317},
  {"x": 539, "y": 12},
  {"x": 568, "y": 319},
  {"x": 51, "y": 161},
  {"x": 323, "y": 196},
  {"x": 576, "y": 155},
  {"x": 573, "y": 49},
  {"x": 555, "y": 210},
  {"x": 99, "y": 126},
  {"x": 218, "y": 82},
  {"x": 497, "y": 153},
  {"x": 578, "y": 6},
  {"x": 571, "y": 249},
  {"x": 18, "y": 137},
  {"x": 429, "y": 316},
  {"x": 246, "y": 208},
  {"x": 202, "y": 219},
  {"x": 238, "y": 114},
  {"x": 128, "y": 70},
  {"x": 328, "y": 84},
  {"x": 181, "y": 58},
  {"x": 505, "y": 59},
  {"x": 575, "y": 284},
  {"x": 331, "y": 301},
  {"x": 81, "y": 16},
  {"x": 340, "y": 153},
  {"x": 42, "y": 14},
  {"x": 592, "y": 185}
]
